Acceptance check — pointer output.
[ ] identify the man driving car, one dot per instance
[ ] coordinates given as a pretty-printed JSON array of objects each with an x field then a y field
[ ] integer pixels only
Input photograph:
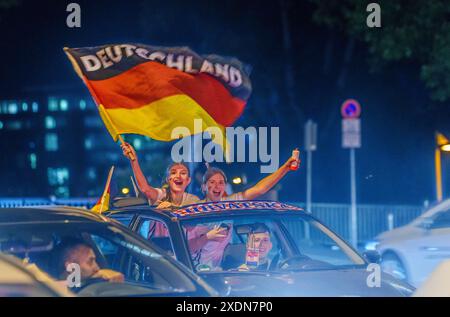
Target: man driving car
[
  {"x": 258, "y": 246},
  {"x": 78, "y": 252}
]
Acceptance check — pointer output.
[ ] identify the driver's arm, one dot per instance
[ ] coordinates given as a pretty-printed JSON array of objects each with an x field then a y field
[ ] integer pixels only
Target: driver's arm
[{"x": 109, "y": 275}]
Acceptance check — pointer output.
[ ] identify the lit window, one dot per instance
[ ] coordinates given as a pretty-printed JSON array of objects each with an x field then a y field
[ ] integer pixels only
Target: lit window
[
  {"x": 14, "y": 125},
  {"x": 52, "y": 104},
  {"x": 91, "y": 173},
  {"x": 62, "y": 191},
  {"x": 12, "y": 108},
  {"x": 58, "y": 176},
  {"x": 50, "y": 122},
  {"x": 51, "y": 142},
  {"x": 137, "y": 143},
  {"x": 63, "y": 105},
  {"x": 24, "y": 106},
  {"x": 82, "y": 104},
  {"x": 35, "y": 107},
  {"x": 5, "y": 108},
  {"x": 88, "y": 144},
  {"x": 1, "y": 125},
  {"x": 33, "y": 160},
  {"x": 93, "y": 122}
]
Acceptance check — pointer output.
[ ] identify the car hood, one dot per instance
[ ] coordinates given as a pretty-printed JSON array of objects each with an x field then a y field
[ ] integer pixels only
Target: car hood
[
  {"x": 323, "y": 283},
  {"x": 400, "y": 233}
]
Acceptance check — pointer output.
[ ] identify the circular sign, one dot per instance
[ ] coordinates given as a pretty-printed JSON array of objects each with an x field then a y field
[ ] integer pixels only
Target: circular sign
[{"x": 351, "y": 109}]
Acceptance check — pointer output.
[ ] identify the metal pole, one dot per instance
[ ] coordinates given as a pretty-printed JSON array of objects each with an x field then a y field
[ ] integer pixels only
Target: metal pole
[
  {"x": 308, "y": 188},
  {"x": 353, "y": 220},
  {"x": 308, "y": 180},
  {"x": 438, "y": 172}
]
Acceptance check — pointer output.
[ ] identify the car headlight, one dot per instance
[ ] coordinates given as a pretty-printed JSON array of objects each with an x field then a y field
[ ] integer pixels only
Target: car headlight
[{"x": 371, "y": 245}]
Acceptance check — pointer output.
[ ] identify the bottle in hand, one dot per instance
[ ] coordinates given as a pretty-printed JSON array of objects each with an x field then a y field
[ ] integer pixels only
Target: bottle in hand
[{"x": 295, "y": 165}]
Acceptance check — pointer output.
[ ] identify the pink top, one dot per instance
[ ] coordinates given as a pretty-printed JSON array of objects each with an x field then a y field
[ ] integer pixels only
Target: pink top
[{"x": 211, "y": 252}]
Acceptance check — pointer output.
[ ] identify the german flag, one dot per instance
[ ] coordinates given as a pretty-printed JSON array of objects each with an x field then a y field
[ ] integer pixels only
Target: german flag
[
  {"x": 102, "y": 204},
  {"x": 151, "y": 90}
]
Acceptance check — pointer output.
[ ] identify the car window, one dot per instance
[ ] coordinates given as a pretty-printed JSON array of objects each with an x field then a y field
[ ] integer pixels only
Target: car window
[
  {"x": 114, "y": 249},
  {"x": 313, "y": 242},
  {"x": 228, "y": 245},
  {"x": 136, "y": 269},
  {"x": 292, "y": 242},
  {"x": 442, "y": 220},
  {"x": 123, "y": 219},
  {"x": 157, "y": 232}
]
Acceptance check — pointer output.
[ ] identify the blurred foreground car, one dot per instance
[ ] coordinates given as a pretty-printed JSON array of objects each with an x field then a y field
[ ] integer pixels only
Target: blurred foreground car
[
  {"x": 437, "y": 284},
  {"x": 20, "y": 280},
  {"x": 33, "y": 234},
  {"x": 413, "y": 251},
  {"x": 305, "y": 257}
]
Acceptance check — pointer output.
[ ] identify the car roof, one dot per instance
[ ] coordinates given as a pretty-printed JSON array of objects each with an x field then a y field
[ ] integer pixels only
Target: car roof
[
  {"x": 213, "y": 208},
  {"x": 47, "y": 214}
]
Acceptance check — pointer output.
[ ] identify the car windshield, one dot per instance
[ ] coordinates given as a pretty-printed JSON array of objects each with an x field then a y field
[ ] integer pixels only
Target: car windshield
[
  {"x": 145, "y": 271},
  {"x": 273, "y": 242}
]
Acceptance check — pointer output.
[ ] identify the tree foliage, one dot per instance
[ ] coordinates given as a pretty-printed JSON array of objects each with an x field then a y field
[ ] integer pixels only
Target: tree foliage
[
  {"x": 411, "y": 31},
  {"x": 5, "y": 4}
]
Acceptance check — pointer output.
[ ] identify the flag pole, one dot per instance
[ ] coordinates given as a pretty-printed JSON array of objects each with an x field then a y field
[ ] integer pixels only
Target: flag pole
[
  {"x": 111, "y": 128},
  {"x": 105, "y": 192}
]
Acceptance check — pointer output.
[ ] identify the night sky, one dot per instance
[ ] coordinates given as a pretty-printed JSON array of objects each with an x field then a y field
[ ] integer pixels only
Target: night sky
[{"x": 395, "y": 164}]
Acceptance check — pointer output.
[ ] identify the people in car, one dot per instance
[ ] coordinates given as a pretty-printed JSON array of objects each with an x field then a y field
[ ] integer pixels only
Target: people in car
[
  {"x": 210, "y": 251},
  {"x": 173, "y": 192},
  {"x": 258, "y": 246},
  {"x": 78, "y": 252},
  {"x": 207, "y": 243}
]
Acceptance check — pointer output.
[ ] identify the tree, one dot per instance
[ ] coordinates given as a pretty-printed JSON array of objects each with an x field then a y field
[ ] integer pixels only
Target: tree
[
  {"x": 6, "y": 4},
  {"x": 411, "y": 31}
]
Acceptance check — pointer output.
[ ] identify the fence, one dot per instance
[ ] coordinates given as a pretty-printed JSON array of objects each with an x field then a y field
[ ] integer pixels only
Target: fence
[
  {"x": 23, "y": 202},
  {"x": 371, "y": 219}
]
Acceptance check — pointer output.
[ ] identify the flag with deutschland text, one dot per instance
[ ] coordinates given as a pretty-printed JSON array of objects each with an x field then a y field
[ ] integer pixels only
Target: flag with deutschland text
[{"x": 150, "y": 90}]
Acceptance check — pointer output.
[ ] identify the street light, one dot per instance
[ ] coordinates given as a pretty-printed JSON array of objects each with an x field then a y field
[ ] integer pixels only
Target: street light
[
  {"x": 237, "y": 180},
  {"x": 445, "y": 148},
  {"x": 442, "y": 145}
]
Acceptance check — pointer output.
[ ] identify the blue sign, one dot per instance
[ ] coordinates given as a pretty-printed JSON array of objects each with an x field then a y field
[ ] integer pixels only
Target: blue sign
[{"x": 351, "y": 109}]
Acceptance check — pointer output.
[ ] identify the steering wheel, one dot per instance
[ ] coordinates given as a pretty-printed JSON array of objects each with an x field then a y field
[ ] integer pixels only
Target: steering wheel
[
  {"x": 87, "y": 283},
  {"x": 292, "y": 258}
]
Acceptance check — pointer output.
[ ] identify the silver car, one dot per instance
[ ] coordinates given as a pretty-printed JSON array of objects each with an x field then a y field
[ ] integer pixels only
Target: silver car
[{"x": 413, "y": 251}]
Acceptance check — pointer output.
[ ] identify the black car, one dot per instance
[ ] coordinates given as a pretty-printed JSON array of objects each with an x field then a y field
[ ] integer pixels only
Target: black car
[
  {"x": 18, "y": 279},
  {"x": 34, "y": 234},
  {"x": 302, "y": 256}
]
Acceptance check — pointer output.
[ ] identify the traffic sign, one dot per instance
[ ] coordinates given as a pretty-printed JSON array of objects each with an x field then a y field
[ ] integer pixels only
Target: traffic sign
[
  {"x": 350, "y": 109},
  {"x": 351, "y": 133}
]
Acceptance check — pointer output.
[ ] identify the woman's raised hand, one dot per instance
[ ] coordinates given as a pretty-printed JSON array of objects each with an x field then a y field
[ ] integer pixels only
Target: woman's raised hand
[{"x": 128, "y": 151}]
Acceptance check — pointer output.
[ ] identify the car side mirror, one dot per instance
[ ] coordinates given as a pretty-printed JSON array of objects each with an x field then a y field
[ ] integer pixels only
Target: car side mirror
[{"x": 372, "y": 256}]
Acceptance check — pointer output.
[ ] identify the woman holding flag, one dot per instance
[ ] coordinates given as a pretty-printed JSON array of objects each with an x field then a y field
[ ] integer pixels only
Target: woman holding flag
[{"x": 177, "y": 179}]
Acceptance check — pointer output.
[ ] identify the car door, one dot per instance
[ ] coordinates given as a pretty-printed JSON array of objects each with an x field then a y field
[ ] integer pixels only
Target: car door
[
  {"x": 434, "y": 245},
  {"x": 156, "y": 231}
]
